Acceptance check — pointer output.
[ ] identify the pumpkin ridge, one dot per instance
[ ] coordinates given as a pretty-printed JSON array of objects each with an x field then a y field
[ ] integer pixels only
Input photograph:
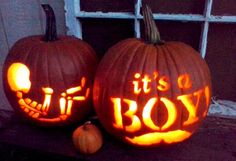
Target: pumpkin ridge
[
  {"x": 173, "y": 56},
  {"x": 37, "y": 62},
  {"x": 110, "y": 68},
  {"x": 14, "y": 50},
  {"x": 197, "y": 71},
  {"x": 131, "y": 50},
  {"x": 46, "y": 65},
  {"x": 35, "y": 65},
  {"x": 163, "y": 49},
  {"x": 79, "y": 55},
  {"x": 161, "y": 64},
  {"x": 186, "y": 58},
  {"x": 124, "y": 44},
  {"x": 76, "y": 55},
  {"x": 171, "y": 53},
  {"x": 129, "y": 62},
  {"x": 157, "y": 53},
  {"x": 201, "y": 73},
  {"x": 81, "y": 63},
  {"x": 42, "y": 52},
  {"x": 167, "y": 58},
  {"x": 187, "y": 62},
  {"x": 191, "y": 63},
  {"x": 27, "y": 54},
  {"x": 82, "y": 141},
  {"x": 200, "y": 64},
  {"x": 90, "y": 53},
  {"x": 134, "y": 52},
  {"x": 120, "y": 54},
  {"x": 197, "y": 74},
  {"x": 61, "y": 66},
  {"x": 103, "y": 76},
  {"x": 48, "y": 56},
  {"x": 144, "y": 59},
  {"x": 151, "y": 56}
]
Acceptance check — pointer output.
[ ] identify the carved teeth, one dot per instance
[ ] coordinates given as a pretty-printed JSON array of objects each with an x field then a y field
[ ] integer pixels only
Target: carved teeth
[
  {"x": 26, "y": 110},
  {"x": 19, "y": 94},
  {"x": 36, "y": 115},
  {"x": 33, "y": 104},
  {"x": 63, "y": 117},
  {"x": 28, "y": 101},
  {"x": 31, "y": 113},
  {"x": 21, "y": 102},
  {"x": 39, "y": 106},
  {"x": 26, "y": 107}
]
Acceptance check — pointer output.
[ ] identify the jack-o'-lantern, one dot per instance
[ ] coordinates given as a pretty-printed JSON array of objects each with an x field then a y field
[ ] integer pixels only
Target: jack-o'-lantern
[
  {"x": 48, "y": 79},
  {"x": 150, "y": 93}
]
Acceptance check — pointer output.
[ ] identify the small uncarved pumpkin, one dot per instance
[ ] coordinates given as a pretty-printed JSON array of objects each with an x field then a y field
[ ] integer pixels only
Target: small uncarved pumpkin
[
  {"x": 152, "y": 92},
  {"x": 48, "y": 78},
  {"x": 87, "y": 138}
]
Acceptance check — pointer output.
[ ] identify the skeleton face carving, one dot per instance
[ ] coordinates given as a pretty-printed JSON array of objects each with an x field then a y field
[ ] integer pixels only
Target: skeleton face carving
[{"x": 18, "y": 78}]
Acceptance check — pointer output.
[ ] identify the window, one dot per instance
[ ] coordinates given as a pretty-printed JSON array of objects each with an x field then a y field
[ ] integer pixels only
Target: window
[{"x": 207, "y": 25}]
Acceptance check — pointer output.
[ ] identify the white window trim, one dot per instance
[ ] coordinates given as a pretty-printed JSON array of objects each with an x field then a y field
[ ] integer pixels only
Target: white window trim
[{"x": 73, "y": 15}]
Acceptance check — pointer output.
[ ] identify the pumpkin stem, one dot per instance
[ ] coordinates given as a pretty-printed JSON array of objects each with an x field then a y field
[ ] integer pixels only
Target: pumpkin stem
[
  {"x": 151, "y": 31},
  {"x": 85, "y": 126},
  {"x": 51, "y": 30}
]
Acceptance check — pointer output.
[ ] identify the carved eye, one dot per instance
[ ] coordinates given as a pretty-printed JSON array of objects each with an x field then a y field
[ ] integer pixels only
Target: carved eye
[{"x": 18, "y": 77}]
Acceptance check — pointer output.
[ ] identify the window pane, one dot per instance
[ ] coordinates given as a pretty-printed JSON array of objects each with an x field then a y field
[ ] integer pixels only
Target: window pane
[
  {"x": 107, "y": 5},
  {"x": 221, "y": 57},
  {"x": 225, "y": 7},
  {"x": 103, "y": 33},
  {"x": 188, "y": 32},
  {"x": 176, "y": 6}
]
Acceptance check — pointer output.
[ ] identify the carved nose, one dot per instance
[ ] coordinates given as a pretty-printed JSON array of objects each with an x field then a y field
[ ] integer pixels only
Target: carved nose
[{"x": 18, "y": 77}]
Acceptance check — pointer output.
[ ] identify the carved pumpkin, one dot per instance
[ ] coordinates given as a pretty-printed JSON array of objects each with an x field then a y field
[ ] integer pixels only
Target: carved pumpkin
[
  {"x": 87, "y": 138},
  {"x": 48, "y": 79},
  {"x": 151, "y": 92}
]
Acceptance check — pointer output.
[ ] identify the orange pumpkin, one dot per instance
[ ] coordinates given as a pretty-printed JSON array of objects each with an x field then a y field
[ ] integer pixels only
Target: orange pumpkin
[
  {"x": 87, "y": 138},
  {"x": 151, "y": 92},
  {"x": 48, "y": 79}
]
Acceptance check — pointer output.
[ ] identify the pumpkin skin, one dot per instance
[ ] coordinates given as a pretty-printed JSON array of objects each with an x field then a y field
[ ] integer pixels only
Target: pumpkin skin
[
  {"x": 149, "y": 94},
  {"x": 64, "y": 67}
]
